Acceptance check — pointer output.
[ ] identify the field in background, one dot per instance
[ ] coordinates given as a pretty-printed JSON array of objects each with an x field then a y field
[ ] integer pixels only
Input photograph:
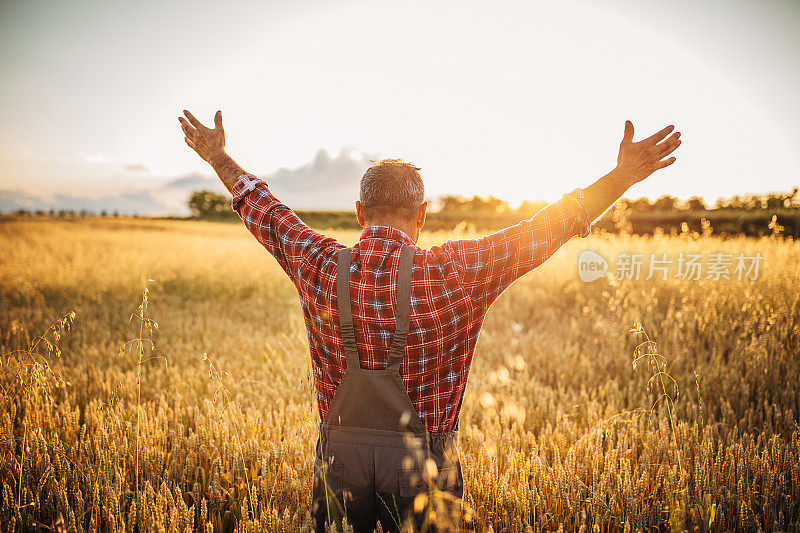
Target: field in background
[{"x": 557, "y": 428}]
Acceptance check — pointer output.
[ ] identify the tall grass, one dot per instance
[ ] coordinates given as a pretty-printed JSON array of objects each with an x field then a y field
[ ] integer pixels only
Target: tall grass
[{"x": 558, "y": 429}]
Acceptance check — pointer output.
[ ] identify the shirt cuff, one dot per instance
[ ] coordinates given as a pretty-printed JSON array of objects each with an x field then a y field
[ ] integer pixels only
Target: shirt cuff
[
  {"x": 244, "y": 185},
  {"x": 583, "y": 225}
]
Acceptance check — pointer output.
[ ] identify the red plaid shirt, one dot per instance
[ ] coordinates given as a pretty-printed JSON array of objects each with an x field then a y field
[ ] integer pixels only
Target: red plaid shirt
[{"x": 452, "y": 287}]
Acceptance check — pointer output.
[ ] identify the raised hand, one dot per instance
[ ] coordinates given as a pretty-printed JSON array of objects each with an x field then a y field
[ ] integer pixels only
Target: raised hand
[
  {"x": 637, "y": 160},
  {"x": 207, "y": 142}
]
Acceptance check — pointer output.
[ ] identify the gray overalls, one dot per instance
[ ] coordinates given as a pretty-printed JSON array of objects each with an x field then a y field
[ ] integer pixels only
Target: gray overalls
[{"x": 373, "y": 451}]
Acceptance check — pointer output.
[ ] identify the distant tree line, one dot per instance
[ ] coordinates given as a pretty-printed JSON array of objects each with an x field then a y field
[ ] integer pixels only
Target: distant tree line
[
  {"x": 750, "y": 214},
  {"x": 748, "y": 202},
  {"x": 69, "y": 213}
]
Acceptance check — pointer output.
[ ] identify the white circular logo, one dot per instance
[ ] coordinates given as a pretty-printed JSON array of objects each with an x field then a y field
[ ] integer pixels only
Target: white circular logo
[{"x": 591, "y": 266}]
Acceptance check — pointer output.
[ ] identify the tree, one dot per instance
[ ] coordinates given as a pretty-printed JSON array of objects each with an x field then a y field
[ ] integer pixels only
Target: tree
[
  {"x": 640, "y": 204},
  {"x": 476, "y": 204},
  {"x": 208, "y": 204},
  {"x": 665, "y": 203},
  {"x": 450, "y": 203},
  {"x": 778, "y": 200},
  {"x": 695, "y": 203}
]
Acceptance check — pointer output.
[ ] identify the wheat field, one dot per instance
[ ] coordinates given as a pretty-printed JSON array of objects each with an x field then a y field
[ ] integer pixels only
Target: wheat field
[{"x": 155, "y": 377}]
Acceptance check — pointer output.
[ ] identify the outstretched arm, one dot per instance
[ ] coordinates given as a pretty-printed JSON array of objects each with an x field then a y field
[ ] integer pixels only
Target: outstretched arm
[
  {"x": 487, "y": 266},
  {"x": 273, "y": 224}
]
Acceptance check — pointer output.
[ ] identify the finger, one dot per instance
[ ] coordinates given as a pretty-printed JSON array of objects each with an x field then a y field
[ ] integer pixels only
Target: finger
[
  {"x": 189, "y": 142},
  {"x": 656, "y": 137},
  {"x": 627, "y": 137},
  {"x": 218, "y": 120},
  {"x": 672, "y": 138},
  {"x": 196, "y": 123},
  {"x": 188, "y": 130},
  {"x": 185, "y": 122},
  {"x": 665, "y": 163},
  {"x": 668, "y": 148},
  {"x": 667, "y": 144}
]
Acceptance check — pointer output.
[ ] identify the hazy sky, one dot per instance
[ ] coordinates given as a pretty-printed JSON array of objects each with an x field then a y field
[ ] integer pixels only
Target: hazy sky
[{"x": 516, "y": 99}]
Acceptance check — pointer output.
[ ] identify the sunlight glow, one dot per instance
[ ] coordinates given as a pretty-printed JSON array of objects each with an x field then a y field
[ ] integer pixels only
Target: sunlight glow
[{"x": 520, "y": 100}]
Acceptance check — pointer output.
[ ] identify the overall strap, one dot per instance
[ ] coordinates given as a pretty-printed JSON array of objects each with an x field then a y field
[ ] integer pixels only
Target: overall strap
[
  {"x": 403, "y": 309},
  {"x": 345, "y": 311}
]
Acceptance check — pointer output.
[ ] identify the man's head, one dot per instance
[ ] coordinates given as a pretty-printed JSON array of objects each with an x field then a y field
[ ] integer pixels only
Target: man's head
[{"x": 392, "y": 194}]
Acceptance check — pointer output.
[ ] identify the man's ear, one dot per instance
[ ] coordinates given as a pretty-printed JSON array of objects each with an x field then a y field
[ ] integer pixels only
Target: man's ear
[
  {"x": 360, "y": 215},
  {"x": 423, "y": 209}
]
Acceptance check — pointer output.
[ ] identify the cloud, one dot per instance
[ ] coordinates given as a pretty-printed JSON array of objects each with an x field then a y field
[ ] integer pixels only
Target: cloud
[
  {"x": 72, "y": 174},
  {"x": 95, "y": 158},
  {"x": 81, "y": 181},
  {"x": 136, "y": 167},
  {"x": 141, "y": 202},
  {"x": 195, "y": 182},
  {"x": 324, "y": 183}
]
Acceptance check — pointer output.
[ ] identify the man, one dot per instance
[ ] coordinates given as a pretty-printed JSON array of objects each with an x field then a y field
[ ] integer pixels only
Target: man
[{"x": 392, "y": 327}]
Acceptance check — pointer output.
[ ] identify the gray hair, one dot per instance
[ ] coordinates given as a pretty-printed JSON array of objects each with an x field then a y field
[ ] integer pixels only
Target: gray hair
[{"x": 393, "y": 187}]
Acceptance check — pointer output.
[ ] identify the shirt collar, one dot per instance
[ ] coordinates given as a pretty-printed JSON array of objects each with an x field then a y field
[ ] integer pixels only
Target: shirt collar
[{"x": 386, "y": 233}]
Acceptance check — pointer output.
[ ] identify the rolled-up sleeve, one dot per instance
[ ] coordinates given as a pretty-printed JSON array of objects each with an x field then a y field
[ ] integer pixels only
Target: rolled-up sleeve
[
  {"x": 244, "y": 185},
  {"x": 488, "y": 265},
  {"x": 276, "y": 226},
  {"x": 576, "y": 203}
]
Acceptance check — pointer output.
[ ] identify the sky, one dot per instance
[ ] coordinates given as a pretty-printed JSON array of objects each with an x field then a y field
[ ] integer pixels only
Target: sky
[{"x": 521, "y": 100}]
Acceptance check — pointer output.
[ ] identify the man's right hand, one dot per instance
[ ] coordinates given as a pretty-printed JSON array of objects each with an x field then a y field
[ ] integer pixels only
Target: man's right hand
[
  {"x": 209, "y": 143},
  {"x": 637, "y": 160}
]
